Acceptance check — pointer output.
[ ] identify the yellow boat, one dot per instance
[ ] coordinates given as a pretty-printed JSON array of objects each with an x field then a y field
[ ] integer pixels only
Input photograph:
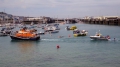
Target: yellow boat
[
  {"x": 80, "y": 34},
  {"x": 73, "y": 28}
]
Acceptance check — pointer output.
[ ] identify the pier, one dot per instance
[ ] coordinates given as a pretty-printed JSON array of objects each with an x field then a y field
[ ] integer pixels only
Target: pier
[
  {"x": 70, "y": 21},
  {"x": 102, "y": 21}
]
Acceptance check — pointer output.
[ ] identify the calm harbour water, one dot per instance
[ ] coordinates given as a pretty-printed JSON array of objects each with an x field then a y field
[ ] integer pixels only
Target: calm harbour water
[{"x": 73, "y": 51}]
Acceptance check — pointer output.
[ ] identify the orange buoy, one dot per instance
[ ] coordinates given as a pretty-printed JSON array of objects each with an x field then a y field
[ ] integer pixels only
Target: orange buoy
[
  {"x": 68, "y": 35},
  {"x": 58, "y": 46},
  {"x": 58, "y": 36}
]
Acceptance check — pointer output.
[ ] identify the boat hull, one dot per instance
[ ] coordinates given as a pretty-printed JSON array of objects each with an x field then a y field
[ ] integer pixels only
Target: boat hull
[
  {"x": 96, "y": 38},
  {"x": 3, "y": 35},
  {"x": 41, "y": 33},
  {"x": 54, "y": 31},
  {"x": 20, "y": 38},
  {"x": 76, "y": 35}
]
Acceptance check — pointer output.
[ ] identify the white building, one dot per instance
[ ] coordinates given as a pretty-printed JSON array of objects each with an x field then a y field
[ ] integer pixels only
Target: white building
[{"x": 34, "y": 18}]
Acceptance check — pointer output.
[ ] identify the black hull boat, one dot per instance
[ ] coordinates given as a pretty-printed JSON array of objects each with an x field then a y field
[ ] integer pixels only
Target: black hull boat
[{"x": 21, "y": 38}]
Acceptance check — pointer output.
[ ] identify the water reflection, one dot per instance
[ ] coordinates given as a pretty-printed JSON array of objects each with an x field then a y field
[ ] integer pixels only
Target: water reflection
[
  {"x": 97, "y": 42},
  {"x": 25, "y": 50},
  {"x": 25, "y": 46}
]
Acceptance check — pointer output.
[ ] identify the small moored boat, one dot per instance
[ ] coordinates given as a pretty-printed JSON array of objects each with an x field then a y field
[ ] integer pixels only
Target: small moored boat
[
  {"x": 3, "y": 34},
  {"x": 41, "y": 33},
  {"x": 67, "y": 28},
  {"x": 77, "y": 33},
  {"x": 73, "y": 28}
]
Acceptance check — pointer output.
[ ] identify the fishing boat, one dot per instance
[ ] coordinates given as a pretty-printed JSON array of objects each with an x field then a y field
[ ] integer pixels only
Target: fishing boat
[
  {"x": 67, "y": 28},
  {"x": 98, "y": 36},
  {"x": 3, "y": 34},
  {"x": 25, "y": 34},
  {"x": 77, "y": 33},
  {"x": 52, "y": 29},
  {"x": 56, "y": 26},
  {"x": 5, "y": 31}
]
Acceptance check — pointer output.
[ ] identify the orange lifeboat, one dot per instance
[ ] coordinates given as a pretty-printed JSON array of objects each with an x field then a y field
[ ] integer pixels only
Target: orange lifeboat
[{"x": 26, "y": 35}]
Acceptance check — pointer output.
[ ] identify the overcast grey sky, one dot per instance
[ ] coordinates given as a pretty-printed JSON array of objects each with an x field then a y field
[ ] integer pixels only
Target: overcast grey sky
[{"x": 61, "y": 8}]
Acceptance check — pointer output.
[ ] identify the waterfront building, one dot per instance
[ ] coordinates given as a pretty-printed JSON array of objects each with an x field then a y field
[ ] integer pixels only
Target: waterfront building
[{"x": 8, "y": 18}]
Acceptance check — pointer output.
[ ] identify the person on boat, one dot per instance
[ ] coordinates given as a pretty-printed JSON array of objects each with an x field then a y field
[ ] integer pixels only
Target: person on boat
[
  {"x": 108, "y": 37},
  {"x": 114, "y": 39}
]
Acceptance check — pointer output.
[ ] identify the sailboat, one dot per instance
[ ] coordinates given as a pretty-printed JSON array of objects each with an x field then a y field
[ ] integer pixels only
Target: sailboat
[{"x": 32, "y": 24}]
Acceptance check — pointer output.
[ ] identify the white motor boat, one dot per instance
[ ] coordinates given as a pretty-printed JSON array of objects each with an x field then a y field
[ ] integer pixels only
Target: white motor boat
[
  {"x": 56, "y": 28},
  {"x": 99, "y": 36},
  {"x": 41, "y": 33}
]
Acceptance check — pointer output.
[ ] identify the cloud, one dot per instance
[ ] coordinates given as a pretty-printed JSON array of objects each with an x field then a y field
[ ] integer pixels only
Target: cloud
[
  {"x": 56, "y": 3},
  {"x": 64, "y": 7},
  {"x": 25, "y": 3}
]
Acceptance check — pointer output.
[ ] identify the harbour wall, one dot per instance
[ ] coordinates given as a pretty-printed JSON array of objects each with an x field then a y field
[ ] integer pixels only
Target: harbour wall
[
  {"x": 107, "y": 21},
  {"x": 48, "y": 20}
]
